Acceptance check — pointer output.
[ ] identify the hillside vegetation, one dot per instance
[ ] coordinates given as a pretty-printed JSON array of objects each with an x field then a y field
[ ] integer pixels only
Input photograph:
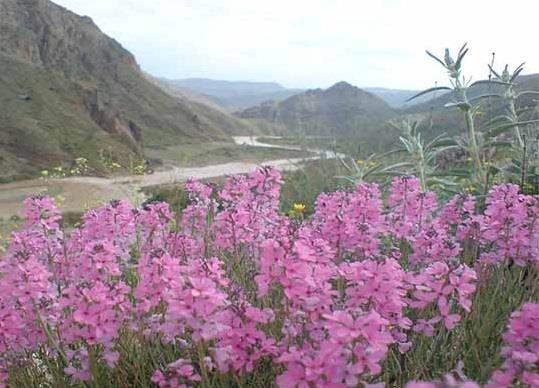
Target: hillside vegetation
[{"x": 67, "y": 90}]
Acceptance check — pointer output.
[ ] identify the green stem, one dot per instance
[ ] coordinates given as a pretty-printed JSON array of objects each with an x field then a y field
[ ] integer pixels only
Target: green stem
[
  {"x": 470, "y": 125},
  {"x": 422, "y": 177},
  {"x": 50, "y": 339},
  {"x": 514, "y": 117},
  {"x": 203, "y": 369},
  {"x": 474, "y": 149},
  {"x": 94, "y": 370}
]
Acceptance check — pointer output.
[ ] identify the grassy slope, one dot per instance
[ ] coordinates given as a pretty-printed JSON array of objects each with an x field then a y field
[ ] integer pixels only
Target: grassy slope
[
  {"x": 53, "y": 126},
  {"x": 47, "y": 129}
]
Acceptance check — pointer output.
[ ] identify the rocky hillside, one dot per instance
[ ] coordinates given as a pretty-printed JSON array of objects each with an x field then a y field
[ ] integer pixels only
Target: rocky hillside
[
  {"x": 341, "y": 110},
  {"x": 68, "y": 90}
]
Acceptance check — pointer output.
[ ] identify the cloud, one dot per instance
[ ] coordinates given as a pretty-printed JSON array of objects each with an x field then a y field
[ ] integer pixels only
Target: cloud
[{"x": 311, "y": 43}]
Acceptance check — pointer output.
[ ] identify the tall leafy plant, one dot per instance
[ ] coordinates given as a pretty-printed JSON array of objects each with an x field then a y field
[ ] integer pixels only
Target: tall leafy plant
[
  {"x": 421, "y": 156},
  {"x": 459, "y": 87},
  {"x": 509, "y": 120},
  {"x": 419, "y": 159}
]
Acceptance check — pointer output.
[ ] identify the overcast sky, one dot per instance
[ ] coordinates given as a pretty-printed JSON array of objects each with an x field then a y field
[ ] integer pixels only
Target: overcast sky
[{"x": 315, "y": 43}]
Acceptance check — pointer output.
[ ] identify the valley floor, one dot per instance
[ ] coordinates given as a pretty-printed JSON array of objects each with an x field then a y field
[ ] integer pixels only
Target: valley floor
[{"x": 79, "y": 193}]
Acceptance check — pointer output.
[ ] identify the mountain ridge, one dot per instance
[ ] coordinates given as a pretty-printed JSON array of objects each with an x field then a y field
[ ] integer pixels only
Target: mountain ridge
[
  {"x": 232, "y": 95},
  {"x": 341, "y": 110}
]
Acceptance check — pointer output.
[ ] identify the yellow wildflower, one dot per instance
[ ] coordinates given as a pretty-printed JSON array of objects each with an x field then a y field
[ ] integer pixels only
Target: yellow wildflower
[
  {"x": 60, "y": 199},
  {"x": 299, "y": 207}
]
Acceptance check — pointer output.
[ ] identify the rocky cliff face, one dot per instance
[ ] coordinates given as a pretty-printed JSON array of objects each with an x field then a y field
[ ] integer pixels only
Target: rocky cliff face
[
  {"x": 44, "y": 34},
  {"x": 341, "y": 110},
  {"x": 68, "y": 90}
]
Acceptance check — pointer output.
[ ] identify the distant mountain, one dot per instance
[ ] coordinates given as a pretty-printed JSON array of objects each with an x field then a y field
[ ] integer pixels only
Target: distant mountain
[
  {"x": 202, "y": 106},
  {"x": 238, "y": 95},
  {"x": 235, "y": 95},
  {"x": 68, "y": 90},
  {"x": 341, "y": 110},
  {"x": 185, "y": 93}
]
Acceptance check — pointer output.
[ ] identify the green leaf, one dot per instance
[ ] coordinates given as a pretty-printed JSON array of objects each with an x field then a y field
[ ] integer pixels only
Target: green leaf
[
  {"x": 348, "y": 178},
  {"x": 492, "y": 81},
  {"x": 446, "y": 141},
  {"x": 526, "y": 109},
  {"x": 346, "y": 166},
  {"x": 428, "y": 91},
  {"x": 528, "y": 122},
  {"x": 450, "y": 190},
  {"x": 517, "y": 72},
  {"x": 460, "y": 105},
  {"x": 498, "y": 119},
  {"x": 500, "y": 129},
  {"x": 397, "y": 165},
  {"x": 527, "y": 92},
  {"x": 389, "y": 153},
  {"x": 459, "y": 173},
  {"x": 503, "y": 128},
  {"x": 494, "y": 72},
  {"x": 498, "y": 144},
  {"x": 462, "y": 49},
  {"x": 439, "y": 141},
  {"x": 461, "y": 55},
  {"x": 389, "y": 173},
  {"x": 436, "y": 58},
  {"x": 482, "y": 96},
  {"x": 373, "y": 171},
  {"x": 444, "y": 149},
  {"x": 443, "y": 182}
]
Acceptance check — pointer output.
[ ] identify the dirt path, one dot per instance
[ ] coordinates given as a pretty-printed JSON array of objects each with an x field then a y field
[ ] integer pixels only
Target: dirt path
[{"x": 83, "y": 192}]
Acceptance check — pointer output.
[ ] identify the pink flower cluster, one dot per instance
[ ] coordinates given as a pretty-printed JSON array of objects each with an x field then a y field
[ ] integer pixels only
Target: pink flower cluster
[
  {"x": 231, "y": 281},
  {"x": 510, "y": 227},
  {"x": 521, "y": 352}
]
